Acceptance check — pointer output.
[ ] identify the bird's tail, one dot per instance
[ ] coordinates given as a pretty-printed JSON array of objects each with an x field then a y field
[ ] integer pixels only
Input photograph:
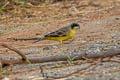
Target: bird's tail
[
  {"x": 24, "y": 39},
  {"x": 39, "y": 38}
]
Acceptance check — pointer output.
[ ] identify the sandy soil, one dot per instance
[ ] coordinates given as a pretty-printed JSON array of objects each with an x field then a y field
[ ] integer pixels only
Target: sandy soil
[{"x": 100, "y": 30}]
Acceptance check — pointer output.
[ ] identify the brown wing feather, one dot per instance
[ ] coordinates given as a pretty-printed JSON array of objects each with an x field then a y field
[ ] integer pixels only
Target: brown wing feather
[{"x": 59, "y": 33}]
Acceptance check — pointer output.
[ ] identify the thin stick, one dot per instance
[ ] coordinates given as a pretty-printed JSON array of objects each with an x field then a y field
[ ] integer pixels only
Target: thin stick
[
  {"x": 104, "y": 54},
  {"x": 15, "y": 50},
  {"x": 42, "y": 71}
]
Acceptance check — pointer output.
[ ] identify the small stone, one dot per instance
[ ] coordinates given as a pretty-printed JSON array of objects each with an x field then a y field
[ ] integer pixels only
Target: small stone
[
  {"x": 117, "y": 18},
  {"x": 83, "y": 41},
  {"x": 100, "y": 75},
  {"x": 50, "y": 47}
]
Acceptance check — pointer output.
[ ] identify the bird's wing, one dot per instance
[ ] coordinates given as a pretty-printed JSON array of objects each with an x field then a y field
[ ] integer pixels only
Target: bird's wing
[{"x": 59, "y": 33}]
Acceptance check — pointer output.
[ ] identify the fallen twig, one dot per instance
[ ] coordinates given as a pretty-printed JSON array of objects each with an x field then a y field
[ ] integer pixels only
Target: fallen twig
[
  {"x": 111, "y": 60},
  {"x": 24, "y": 58},
  {"x": 108, "y": 53},
  {"x": 42, "y": 72}
]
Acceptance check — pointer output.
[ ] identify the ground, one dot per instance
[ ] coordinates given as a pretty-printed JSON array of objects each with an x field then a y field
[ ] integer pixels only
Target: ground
[{"x": 99, "y": 31}]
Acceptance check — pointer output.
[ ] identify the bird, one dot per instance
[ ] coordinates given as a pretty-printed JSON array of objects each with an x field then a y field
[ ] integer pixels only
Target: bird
[{"x": 62, "y": 34}]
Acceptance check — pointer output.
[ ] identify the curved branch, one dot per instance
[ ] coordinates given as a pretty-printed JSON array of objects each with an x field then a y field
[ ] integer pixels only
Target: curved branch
[
  {"x": 108, "y": 53},
  {"x": 24, "y": 58}
]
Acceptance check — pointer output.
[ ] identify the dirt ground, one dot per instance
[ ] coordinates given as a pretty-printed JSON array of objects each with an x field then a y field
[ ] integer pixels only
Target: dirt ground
[{"x": 99, "y": 31}]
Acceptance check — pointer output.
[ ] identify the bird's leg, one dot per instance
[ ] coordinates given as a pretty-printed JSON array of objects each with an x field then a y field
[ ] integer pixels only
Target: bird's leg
[
  {"x": 60, "y": 41},
  {"x": 69, "y": 41}
]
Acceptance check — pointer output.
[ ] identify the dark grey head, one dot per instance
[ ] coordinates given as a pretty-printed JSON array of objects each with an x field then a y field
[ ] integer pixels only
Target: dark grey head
[{"x": 75, "y": 25}]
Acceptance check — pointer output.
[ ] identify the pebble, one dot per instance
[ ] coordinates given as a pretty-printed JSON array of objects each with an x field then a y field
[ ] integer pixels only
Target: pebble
[{"x": 50, "y": 47}]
